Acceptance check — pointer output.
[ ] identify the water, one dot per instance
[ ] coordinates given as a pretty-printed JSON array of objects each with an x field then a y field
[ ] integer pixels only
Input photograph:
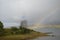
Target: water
[
  {"x": 48, "y": 38},
  {"x": 55, "y": 31}
]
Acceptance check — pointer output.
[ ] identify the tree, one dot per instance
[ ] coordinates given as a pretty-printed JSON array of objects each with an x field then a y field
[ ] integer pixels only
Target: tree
[
  {"x": 1, "y": 25},
  {"x": 1, "y": 29}
]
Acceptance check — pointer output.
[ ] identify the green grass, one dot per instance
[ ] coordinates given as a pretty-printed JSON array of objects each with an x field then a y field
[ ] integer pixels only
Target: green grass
[{"x": 23, "y": 36}]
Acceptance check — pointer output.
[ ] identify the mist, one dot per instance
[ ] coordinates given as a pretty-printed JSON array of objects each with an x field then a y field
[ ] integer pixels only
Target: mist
[{"x": 12, "y": 12}]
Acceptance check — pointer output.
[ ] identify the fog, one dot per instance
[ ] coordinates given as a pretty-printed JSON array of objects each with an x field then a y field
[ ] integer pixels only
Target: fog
[{"x": 12, "y": 12}]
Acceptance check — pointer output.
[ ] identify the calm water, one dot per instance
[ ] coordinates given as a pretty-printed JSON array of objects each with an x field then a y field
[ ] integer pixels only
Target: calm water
[{"x": 55, "y": 31}]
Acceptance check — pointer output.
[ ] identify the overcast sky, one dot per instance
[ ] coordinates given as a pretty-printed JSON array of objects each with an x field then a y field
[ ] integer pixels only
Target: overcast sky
[{"x": 12, "y": 12}]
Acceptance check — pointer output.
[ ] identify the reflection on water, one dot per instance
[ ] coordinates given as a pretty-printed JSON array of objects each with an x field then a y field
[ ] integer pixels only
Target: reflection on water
[{"x": 55, "y": 31}]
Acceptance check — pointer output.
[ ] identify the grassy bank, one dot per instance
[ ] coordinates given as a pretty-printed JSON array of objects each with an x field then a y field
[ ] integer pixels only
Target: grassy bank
[
  {"x": 20, "y": 33},
  {"x": 23, "y": 36}
]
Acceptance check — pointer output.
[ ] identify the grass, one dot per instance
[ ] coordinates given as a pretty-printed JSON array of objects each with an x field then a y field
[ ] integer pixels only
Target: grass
[{"x": 23, "y": 36}]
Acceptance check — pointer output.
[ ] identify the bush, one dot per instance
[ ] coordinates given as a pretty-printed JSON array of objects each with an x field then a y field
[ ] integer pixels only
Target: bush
[
  {"x": 14, "y": 30},
  {"x": 24, "y": 30}
]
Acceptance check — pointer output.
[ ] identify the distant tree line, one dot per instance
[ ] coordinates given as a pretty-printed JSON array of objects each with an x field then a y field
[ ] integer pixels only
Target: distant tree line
[{"x": 13, "y": 30}]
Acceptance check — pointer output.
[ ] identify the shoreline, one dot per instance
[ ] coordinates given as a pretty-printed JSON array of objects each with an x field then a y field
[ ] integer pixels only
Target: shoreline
[{"x": 32, "y": 35}]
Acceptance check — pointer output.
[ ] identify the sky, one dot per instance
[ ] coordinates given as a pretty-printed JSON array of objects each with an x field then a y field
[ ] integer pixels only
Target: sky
[{"x": 12, "y": 12}]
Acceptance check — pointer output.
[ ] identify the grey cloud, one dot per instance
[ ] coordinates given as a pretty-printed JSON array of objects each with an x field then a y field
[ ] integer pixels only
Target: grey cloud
[{"x": 13, "y": 11}]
